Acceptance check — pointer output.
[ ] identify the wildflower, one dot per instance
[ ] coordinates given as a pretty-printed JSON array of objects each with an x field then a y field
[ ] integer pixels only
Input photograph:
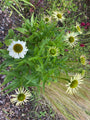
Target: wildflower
[
  {"x": 83, "y": 24},
  {"x": 86, "y": 27},
  {"x": 74, "y": 84},
  {"x": 17, "y": 49},
  {"x": 71, "y": 39},
  {"x": 78, "y": 28},
  {"x": 66, "y": 50},
  {"x": 31, "y": 10},
  {"x": 47, "y": 19},
  {"x": 21, "y": 96},
  {"x": 83, "y": 60},
  {"x": 87, "y": 24},
  {"x": 53, "y": 51},
  {"x": 58, "y": 16},
  {"x": 68, "y": 12},
  {"x": 82, "y": 45}
]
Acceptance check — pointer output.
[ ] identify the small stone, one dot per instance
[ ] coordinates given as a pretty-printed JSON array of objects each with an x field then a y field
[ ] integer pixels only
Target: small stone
[
  {"x": 5, "y": 15},
  {"x": 2, "y": 28},
  {"x": 2, "y": 32},
  {"x": 1, "y": 113},
  {"x": 14, "y": 4},
  {"x": 1, "y": 102},
  {"x": 3, "y": 76},
  {"x": 23, "y": 114},
  {"x": 0, "y": 11},
  {"x": 6, "y": 24}
]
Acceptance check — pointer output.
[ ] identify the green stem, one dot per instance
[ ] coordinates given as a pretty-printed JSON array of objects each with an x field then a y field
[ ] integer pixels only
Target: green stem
[
  {"x": 60, "y": 78},
  {"x": 43, "y": 57},
  {"x": 18, "y": 12}
]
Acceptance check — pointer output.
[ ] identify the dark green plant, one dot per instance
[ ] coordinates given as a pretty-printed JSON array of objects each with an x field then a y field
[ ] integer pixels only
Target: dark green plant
[
  {"x": 46, "y": 56},
  {"x": 38, "y": 65}
]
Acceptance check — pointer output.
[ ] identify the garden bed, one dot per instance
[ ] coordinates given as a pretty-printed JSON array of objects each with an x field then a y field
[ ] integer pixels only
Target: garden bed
[{"x": 37, "y": 108}]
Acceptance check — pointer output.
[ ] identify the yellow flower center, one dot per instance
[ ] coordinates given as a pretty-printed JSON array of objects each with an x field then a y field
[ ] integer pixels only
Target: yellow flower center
[
  {"x": 78, "y": 28},
  {"x": 18, "y": 48},
  {"x": 52, "y": 51},
  {"x": 21, "y": 97},
  {"x": 74, "y": 84},
  {"x": 71, "y": 39},
  {"x": 59, "y": 15},
  {"x": 46, "y": 19}
]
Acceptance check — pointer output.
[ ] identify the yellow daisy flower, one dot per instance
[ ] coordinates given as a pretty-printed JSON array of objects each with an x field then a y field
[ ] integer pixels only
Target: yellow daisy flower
[
  {"x": 21, "y": 96},
  {"x": 58, "y": 16},
  {"x": 74, "y": 84},
  {"x": 53, "y": 51},
  {"x": 71, "y": 39}
]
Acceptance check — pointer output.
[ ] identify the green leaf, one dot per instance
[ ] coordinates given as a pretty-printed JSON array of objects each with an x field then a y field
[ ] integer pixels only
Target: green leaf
[
  {"x": 11, "y": 33},
  {"x": 25, "y": 1},
  {"x": 11, "y": 87},
  {"x": 21, "y": 30},
  {"x": 32, "y": 20},
  {"x": 3, "y": 51},
  {"x": 1, "y": 44},
  {"x": 7, "y": 79},
  {"x": 8, "y": 42},
  {"x": 18, "y": 12}
]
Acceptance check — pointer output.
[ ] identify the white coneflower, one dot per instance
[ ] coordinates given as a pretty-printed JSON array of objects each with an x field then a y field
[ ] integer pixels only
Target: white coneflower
[
  {"x": 21, "y": 96},
  {"x": 74, "y": 84},
  {"x": 53, "y": 51},
  {"x": 17, "y": 49},
  {"x": 58, "y": 16},
  {"x": 71, "y": 39},
  {"x": 47, "y": 19},
  {"x": 83, "y": 60},
  {"x": 78, "y": 28}
]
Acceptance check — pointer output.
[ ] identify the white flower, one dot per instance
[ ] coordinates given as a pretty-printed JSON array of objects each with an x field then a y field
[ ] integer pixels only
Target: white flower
[
  {"x": 74, "y": 84},
  {"x": 71, "y": 39},
  {"x": 78, "y": 28},
  {"x": 58, "y": 16},
  {"x": 53, "y": 51},
  {"x": 21, "y": 96},
  {"x": 17, "y": 49},
  {"x": 47, "y": 19}
]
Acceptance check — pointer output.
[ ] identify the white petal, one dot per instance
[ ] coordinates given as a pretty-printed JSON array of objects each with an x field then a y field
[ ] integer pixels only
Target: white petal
[
  {"x": 16, "y": 56},
  {"x": 21, "y": 55}
]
